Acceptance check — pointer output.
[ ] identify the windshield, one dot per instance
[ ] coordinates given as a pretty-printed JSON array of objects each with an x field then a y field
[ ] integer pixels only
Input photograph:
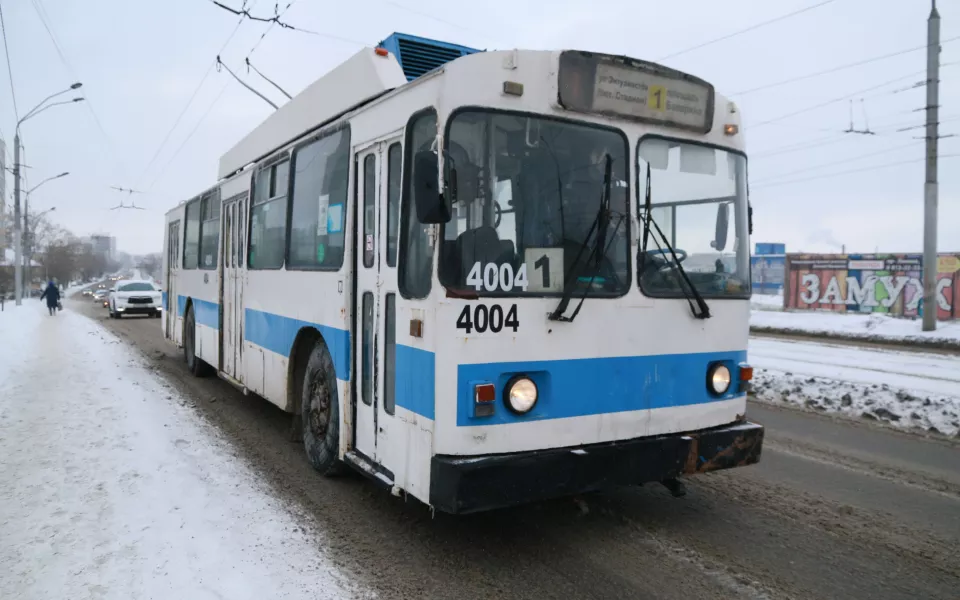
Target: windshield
[
  {"x": 699, "y": 200},
  {"x": 136, "y": 287},
  {"x": 526, "y": 215}
]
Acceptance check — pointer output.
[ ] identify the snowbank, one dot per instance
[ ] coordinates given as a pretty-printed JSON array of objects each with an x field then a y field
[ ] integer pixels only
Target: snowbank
[
  {"x": 877, "y": 402},
  {"x": 877, "y": 327},
  {"x": 766, "y": 302},
  {"x": 111, "y": 488}
]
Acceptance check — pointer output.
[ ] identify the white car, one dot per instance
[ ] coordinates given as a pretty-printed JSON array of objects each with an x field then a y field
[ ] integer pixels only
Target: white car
[{"x": 134, "y": 297}]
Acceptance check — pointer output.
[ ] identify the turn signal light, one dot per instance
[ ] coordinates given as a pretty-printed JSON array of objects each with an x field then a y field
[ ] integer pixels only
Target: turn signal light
[
  {"x": 746, "y": 373},
  {"x": 731, "y": 129},
  {"x": 484, "y": 395}
]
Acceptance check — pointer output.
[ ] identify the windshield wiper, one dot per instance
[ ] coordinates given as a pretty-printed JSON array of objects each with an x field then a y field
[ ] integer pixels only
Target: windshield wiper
[
  {"x": 601, "y": 223},
  {"x": 698, "y": 306}
]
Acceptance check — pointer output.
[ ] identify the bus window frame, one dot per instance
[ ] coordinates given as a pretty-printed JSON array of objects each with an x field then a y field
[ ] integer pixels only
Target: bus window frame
[
  {"x": 270, "y": 163},
  {"x": 406, "y": 200},
  {"x": 183, "y": 247},
  {"x": 630, "y": 157},
  {"x": 746, "y": 193},
  {"x": 292, "y": 151},
  {"x": 210, "y": 196}
]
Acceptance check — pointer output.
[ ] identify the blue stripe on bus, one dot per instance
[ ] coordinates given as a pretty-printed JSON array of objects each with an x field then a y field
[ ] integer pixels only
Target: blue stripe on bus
[
  {"x": 163, "y": 300},
  {"x": 596, "y": 386},
  {"x": 204, "y": 312},
  {"x": 415, "y": 377},
  {"x": 276, "y": 333}
]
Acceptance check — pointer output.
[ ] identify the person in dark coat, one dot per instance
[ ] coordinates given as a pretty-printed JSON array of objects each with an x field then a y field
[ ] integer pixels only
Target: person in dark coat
[{"x": 52, "y": 294}]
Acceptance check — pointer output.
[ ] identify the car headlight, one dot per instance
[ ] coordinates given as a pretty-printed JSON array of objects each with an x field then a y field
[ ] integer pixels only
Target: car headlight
[
  {"x": 718, "y": 379},
  {"x": 520, "y": 394}
]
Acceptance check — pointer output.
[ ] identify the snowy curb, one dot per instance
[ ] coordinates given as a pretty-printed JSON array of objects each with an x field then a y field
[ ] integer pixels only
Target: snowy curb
[
  {"x": 931, "y": 343},
  {"x": 875, "y": 402}
]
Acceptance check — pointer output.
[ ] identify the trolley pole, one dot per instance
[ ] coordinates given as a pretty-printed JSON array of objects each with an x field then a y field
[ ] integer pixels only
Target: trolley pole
[{"x": 930, "y": 184}]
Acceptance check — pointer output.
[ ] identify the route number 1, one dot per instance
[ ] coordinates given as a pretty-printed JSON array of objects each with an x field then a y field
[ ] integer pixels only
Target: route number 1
[{"x": 545, "y": 266}]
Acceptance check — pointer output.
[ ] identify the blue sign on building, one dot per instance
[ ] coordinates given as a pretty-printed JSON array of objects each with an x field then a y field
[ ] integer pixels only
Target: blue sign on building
[{"x": 767, "y": 268}]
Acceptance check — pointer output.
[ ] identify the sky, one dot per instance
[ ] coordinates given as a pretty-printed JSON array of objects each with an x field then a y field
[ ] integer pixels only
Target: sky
[{"x": 141, "y": 63}]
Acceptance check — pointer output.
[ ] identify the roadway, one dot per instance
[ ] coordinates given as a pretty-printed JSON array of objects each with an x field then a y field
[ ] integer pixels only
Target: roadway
[{"x": 836, "y": 509}]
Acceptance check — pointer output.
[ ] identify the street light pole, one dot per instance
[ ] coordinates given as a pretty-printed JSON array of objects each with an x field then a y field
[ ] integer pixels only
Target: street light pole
[
  {"x": 17, "y": 224},
  {"x": 30, "y": 238}
]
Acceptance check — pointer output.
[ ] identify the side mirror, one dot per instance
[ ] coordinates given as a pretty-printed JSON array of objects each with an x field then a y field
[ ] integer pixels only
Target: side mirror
[
  {"x": 432, "y": 207},
  {"x": 723, "y": 222}
]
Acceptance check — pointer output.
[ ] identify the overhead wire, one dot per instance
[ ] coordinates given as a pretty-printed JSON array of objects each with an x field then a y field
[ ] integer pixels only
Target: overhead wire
[
  {"x": 45, "y": 21},
  {"x": 746, "y": 30},
  {"x": 832, "y": 163},
  {"x": 850, "y": 171},
  {"x": 189, "y": 103},
  {"x": 6, "y": 52},
  {"x": 840, "y": 68}
]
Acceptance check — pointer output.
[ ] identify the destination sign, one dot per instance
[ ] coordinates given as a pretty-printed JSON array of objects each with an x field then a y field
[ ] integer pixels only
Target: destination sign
[{"x": 632, "y": 89}]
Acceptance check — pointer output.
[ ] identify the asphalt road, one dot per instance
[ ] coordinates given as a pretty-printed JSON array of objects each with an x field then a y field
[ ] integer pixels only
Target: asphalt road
[{"x": 835, "y": 509}]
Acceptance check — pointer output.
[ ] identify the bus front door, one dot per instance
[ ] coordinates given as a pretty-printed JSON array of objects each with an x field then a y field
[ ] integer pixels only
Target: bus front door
[{"x": 378, "y": 172}]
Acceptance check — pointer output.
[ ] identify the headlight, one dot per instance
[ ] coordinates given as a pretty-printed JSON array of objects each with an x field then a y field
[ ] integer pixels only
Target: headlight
[
  {"x": 520, "y": 394},
  {"x": 718, "y": 379}
]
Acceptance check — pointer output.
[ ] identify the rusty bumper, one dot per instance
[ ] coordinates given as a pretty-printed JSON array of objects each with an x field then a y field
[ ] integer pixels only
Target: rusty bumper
[{"x": 471, "y": 484}]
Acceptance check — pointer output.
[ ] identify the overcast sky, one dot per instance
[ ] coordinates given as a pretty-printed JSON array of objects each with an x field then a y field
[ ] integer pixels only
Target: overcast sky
[{"x": 141, "y": 61}]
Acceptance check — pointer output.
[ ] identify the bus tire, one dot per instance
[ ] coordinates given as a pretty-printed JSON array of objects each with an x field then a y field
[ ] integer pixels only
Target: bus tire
[
  {"x": 320, "y": 412},
  {"x": 194, "y": 364}
]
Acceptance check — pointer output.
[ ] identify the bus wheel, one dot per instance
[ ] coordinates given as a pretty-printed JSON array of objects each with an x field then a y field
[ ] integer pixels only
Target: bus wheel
[
  {"x": 320, "y": 408},
  {"x": 194, "y": 364}
]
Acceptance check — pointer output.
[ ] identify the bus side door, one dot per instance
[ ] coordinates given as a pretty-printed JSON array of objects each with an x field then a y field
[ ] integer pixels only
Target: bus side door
[{"x": 378, "y": 168}]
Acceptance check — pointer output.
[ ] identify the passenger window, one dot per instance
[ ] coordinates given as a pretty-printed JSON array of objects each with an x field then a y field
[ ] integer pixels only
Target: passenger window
[
  {"x": 369, "y": 209},
  {"x": 390, "y": 358},
  {"x": 416, "y": 252},
  {"x": 209, "y": 230},
  {"x": 269, "y": 217},
  {"x": 394, "y": 166},
  {"x": 367, "y": 360},
  {"x": 191, "y": 245},
  {"x": 320, "y": 182}
]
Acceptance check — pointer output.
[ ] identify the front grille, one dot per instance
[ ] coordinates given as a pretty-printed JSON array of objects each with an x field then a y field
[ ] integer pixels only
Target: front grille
[{"x": 139, "y": 300}]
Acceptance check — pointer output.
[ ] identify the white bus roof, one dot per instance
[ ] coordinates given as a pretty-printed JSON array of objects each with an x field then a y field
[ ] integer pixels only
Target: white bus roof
[{"x": 363, "y": 76}]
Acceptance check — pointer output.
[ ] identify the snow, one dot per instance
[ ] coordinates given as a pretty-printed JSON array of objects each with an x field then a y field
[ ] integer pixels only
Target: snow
[
  {"x": 766, "y": 301},
  {"x": 910, "y": 390},
  {"x": 111, "y": 487},
  {"x": 866, "y": 326}
]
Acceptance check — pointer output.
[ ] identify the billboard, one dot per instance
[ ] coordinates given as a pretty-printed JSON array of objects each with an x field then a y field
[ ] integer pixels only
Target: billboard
[
  {"x": 870, "y": 283},
  {"x": 767, "y": 273}
]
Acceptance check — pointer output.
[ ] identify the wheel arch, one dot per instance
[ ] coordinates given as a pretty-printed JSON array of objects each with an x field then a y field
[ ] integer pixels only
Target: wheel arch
[{"x": 303, "y": 345}]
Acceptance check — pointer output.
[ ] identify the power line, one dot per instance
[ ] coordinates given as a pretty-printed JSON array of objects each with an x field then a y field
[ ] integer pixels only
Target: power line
[
  {"x": 829, "y": 102},
  {"x": 44, "y": 19},
  {"x": 835, "y": 162},
  {"x": 839, "y": 68},
  {"x": 189, "y": 136},
  {"x": 439, "y": 19},
  {"x": 748, "y": 29},
  {"x": 6, "y": 51},
  {"x": 839, "y": 173},
  {"x": 193, "y": 97},
  {"x": 830, "y": 139}
]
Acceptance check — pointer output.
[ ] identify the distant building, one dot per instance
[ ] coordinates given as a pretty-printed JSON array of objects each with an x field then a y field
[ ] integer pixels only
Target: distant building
[{"x": 104, "y": 245}]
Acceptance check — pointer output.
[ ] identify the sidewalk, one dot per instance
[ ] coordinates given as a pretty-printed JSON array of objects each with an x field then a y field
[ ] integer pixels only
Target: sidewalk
[{"x": 111, "y": 487}]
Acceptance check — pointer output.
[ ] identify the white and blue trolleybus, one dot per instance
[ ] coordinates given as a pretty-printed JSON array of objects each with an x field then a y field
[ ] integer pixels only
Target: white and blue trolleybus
[{"x": 482, "y": 278}]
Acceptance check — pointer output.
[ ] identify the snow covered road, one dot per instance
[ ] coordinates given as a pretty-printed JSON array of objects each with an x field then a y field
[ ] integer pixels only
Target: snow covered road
[
  {"x": 920, "y": 371},
  {"x": 111, "y": 488}
]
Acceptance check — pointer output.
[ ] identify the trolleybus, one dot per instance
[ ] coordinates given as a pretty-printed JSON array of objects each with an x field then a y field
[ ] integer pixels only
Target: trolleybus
[{"x": 482, "y": 278}]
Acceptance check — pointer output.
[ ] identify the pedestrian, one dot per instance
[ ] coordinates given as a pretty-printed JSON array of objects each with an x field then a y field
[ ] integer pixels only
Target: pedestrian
[{"x": 52, "y": 294}]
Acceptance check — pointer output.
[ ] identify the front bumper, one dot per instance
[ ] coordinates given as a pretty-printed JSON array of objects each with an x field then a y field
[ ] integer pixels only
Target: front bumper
[
  {"x": 138, "y": 309},
  {"x": 465, "y": 484}
]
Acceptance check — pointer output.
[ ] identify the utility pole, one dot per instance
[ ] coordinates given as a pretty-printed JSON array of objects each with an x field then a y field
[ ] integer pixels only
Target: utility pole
[
  {"x": 17, "y": 223},
  {"x": 930, "y": 184}
]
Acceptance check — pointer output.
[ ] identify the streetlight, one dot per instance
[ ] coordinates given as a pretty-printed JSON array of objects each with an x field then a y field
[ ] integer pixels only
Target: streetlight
[
  {"x": 17, "y": 232},
  {"x": 27, "y": 257}
]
